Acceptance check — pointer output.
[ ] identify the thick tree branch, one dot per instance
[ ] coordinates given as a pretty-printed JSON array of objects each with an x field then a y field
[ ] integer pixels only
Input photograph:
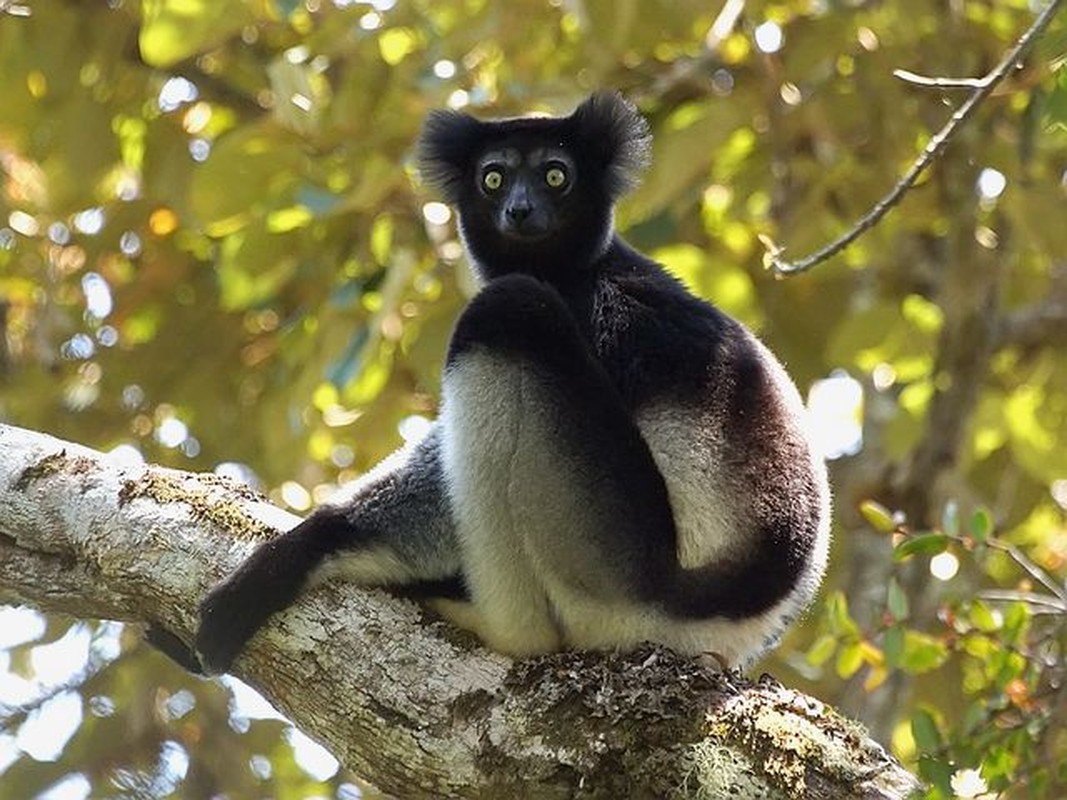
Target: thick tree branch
[
  {"x": 406, "y": 701},
  {"x": 982, "y": 88}
]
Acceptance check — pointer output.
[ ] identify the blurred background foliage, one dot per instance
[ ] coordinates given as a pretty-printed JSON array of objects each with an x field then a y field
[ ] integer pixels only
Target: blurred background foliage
[{"x": 214, "y": 255}]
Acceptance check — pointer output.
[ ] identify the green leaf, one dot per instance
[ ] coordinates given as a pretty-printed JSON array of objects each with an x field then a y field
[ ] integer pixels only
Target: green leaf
[
  {"x": 849, "y": 660},
  {"x": 922, "y": 653},
  {"x": 981, "y": 525},
  {"x": 938, "y": 773},
  {"x": 924, "y": 731},
  {"x": 1056, "y": 101},
  {"x": 1001, "y": 762},
  {"x": 927, "y": 544},
  {"x": 878, "y": 516},
  {"x": 1011, "y": 666},
  {"x": 1016, "y": 622},
  {"x": 893, "y": 645},
  {"x": 819, "y": 653},
  {"x": 980, "y": 647},
  {"x": 840, "y": 621},
  {"x": 897, "y": 601},
  {"x": 983, "y": 618}
]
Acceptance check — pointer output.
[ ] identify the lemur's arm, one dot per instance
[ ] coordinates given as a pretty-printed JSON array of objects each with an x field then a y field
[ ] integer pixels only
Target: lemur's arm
[{"x": 392, "y": 527}]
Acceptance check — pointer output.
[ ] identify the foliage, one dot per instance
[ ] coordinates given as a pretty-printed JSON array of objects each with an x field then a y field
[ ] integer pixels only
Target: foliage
[
  {"x": 1007, "y": 645},
  {"x": 213, "y": 251}
]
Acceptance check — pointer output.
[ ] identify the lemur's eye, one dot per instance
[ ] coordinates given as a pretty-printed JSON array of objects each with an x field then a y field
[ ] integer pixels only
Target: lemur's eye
[
  {"x": 556, "y": 177},
  {"x": 493, "y": 179}
]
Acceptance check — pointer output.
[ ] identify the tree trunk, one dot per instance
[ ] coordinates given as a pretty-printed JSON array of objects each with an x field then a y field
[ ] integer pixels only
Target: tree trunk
[{"x": 403, "y": 699}]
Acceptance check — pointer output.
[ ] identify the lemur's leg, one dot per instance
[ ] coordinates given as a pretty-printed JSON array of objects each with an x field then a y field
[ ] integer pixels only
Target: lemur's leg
[
  {"x": 392, "y": 527},
  {"x": 556, "y": 496}
]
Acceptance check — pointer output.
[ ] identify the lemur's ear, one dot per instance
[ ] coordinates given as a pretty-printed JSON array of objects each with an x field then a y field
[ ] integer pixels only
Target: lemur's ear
[
  {"x": 611, "y": 130},
  {"x": 446, "y": 146}
]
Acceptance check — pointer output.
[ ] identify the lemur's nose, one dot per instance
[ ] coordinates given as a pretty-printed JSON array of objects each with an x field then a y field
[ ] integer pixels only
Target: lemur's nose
[{"x": 517, "y": 213}]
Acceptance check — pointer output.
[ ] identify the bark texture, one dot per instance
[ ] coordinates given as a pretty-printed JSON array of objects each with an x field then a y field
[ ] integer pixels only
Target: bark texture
[{"x": 403, "y": 699}]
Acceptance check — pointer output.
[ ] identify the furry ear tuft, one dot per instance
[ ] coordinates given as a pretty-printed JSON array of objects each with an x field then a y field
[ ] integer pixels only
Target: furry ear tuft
[
  {"x": 617, "y": 135},
  {"x": 445, "y": 147}
]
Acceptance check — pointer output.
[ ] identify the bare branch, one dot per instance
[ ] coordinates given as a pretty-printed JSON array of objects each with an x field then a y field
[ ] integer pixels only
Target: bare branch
[
  {"x": 1058, "y": 589},
  {"x": 933, "y": 149},
  {"x": 405, "y": 701},
  {"x": 14, "y": 9},
  {"x": 724, "y": 24},
  {"x": 1051, "y": 605},
  {"x": 940, "y": 83}
]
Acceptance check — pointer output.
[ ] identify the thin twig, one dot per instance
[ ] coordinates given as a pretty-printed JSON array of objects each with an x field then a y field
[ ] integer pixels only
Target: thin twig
[
  {"x": 1035, "y": 572},
  {"x": 15, "y": 9},
  {"x": 1029, "y": 598},
  {"x": 940, "y": 83},
  {"x": 724, "y": 24},
  {"x": 932, "y": 150}
]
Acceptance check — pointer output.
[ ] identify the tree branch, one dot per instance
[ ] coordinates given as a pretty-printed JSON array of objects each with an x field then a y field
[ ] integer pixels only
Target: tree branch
[
  {"x": 408, "y": 702},
  {"x": 1043, "y": 324},
  {"x": 940, "y": 83},
  {"x": 983, "y": 87}
]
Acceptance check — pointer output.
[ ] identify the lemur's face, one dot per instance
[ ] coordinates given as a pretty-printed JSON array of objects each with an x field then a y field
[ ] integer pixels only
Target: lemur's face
[
  {"x": 535, "y": 194},
  {"x": 528, "y": 192},
  {"x": 531, "y": 201}
]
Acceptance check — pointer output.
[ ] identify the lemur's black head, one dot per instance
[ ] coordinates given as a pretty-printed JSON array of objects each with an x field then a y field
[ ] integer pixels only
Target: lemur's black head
[{"x": 535, "y": 194}]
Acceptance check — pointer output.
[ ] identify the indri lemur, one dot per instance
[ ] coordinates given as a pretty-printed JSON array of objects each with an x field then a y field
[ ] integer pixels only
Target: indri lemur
[{"x": 616, "y": 461}]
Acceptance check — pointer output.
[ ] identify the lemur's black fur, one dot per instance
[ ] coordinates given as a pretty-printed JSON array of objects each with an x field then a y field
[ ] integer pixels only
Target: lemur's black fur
[{"x": 616, "y": 460}]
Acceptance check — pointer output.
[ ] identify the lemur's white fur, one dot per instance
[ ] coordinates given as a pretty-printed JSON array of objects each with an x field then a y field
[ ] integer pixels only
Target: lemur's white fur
[{"x": 514, "y": 491}]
